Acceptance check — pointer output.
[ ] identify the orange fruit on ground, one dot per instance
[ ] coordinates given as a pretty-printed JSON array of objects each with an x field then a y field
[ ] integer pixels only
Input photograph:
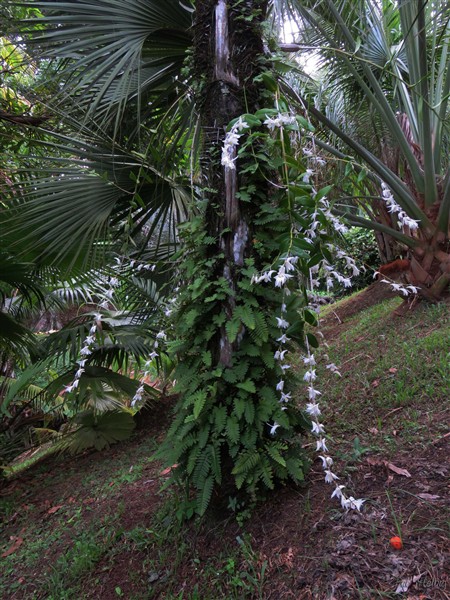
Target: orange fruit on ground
[{"x": 396, "y": 542}]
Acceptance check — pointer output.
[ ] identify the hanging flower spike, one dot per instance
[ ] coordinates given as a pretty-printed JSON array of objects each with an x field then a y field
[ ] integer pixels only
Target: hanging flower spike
[
  {"x": 317, "y": 429},
  {"x": 394, "y": 208},
  {"x": 161, "y": 336},
  {"x": 90, "y": 339},
  {"x": 230, "y": 144},
  {"x": 406, "y": 290}
]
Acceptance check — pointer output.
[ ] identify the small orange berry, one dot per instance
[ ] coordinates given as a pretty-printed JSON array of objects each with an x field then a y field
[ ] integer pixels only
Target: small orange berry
[{"x": 396, "y": 542}]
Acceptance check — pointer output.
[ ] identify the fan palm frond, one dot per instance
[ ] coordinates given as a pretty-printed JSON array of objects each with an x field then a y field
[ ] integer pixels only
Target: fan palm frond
[{"x": 113, "y": 52}]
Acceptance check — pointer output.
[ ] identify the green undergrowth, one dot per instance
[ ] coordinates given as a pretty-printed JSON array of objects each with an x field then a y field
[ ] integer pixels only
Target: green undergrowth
[
  {"x": 83, "y": 531},
  {"x": 61, "y": 535},
  {"x": 393, "y": 392}
]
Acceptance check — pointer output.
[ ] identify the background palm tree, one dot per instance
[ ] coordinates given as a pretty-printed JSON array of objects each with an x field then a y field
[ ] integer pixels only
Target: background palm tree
[{"x": 388, "y": 64}]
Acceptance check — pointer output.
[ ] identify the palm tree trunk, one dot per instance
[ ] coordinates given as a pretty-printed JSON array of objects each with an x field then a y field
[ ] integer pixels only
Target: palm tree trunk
[{"x": 226, "y": 49}]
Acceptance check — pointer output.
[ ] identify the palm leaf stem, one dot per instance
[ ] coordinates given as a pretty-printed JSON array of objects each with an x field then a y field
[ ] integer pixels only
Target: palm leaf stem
[
  {"x": 402, "y": 193},
  {"x": 376, "y": 94},
  {"x": 369, "y": 224},
  {"x": 442, "y": 93},
  {"x": 444, "y": 210},
  {"x": 431, "y": 192}
]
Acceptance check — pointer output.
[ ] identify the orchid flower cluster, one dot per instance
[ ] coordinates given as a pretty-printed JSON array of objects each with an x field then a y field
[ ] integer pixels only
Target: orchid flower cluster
[
  {"x": 404, "y": 289},
  {"x": 229, "y": 153},
  {"x": 229, "y": 149},
  {"x": 318, "y": 430},
  {"x": 393, "y": 207},
  {"x": 169, "y": 308},
  {"x": 280, "y": 279},
  {"x": 141, "y": 266},
  {"x": 154, "y": 354},
  {"x": 282, "y": 276},
  {"x": 160, "y": 337},
  {"x": 331, "y": 274},
  {"x": 280, "y": 120},
  {"x": 314, "y": 158},
  {"x": 90, "y": 339}
]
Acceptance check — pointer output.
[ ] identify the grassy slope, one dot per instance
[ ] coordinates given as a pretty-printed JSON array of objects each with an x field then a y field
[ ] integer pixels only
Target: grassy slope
[
  {"x": 395, "y": 375},
  {"x": 99, "y": 528}
]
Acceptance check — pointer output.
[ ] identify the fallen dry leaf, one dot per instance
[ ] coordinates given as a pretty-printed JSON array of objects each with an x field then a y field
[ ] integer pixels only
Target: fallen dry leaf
[
  {"x": 398, "y": 470},
  {"x": 429, "y": 497},
  {"x": 393, "y": 370},
  {"x": 377, "y": 462},
  {"x": 13, "y": 548},
  {"x": 168, "y": 470},
  {"x": 375, "y": 383},
  {"x": 53, "y": 509},
  {"x": 373, "y": 430},
  {"x": 406, "y": 584}
]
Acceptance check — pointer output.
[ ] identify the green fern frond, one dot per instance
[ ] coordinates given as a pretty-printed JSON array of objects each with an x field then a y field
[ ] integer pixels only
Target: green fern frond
[
  {"x": 239, "y": 407},
  {"x": 204, "y": 495},
  {"x": 220, "y": 419},
  {"x": 199, "y": 403},
  {"x": 266, "y": 473},
  {"x": 273, "y": 450},
  {"x": 216, "y": 462},
  {"x": 249, "y": 412},
  {"x": 295, "y": 468},
  {"x": 246, "y": 315},
  {"x": 202, "y": 468},
  {"x": 203, "y": 436},
  {"x": 233, "y": 430},
  {"x": 192, "y": 460},
  {"x": 246, "y": 462}
]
